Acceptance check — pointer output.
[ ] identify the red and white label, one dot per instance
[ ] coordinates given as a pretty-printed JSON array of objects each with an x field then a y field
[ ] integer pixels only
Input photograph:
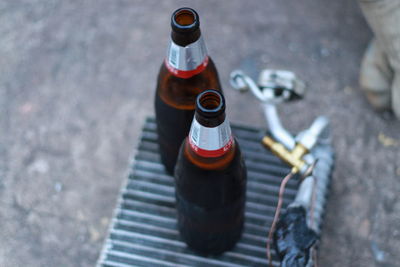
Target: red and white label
[
  {"x": 187, "y": 61},
  {"x": 210, "y": 141}
]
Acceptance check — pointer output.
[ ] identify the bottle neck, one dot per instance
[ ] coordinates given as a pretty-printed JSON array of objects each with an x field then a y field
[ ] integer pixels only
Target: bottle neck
[
  {"x": 210, "y": 142},
  {"x": 187, "y": 61}
]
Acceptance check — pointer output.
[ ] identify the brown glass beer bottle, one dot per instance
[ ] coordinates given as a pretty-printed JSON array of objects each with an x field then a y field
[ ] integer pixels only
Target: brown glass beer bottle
[
  {"x": 186, "y": 72},
  {"x": 210, "y": 180}
]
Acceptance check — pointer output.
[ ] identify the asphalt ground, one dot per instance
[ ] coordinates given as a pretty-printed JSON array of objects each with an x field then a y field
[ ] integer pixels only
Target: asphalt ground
[{"x": 77, "y": 80}]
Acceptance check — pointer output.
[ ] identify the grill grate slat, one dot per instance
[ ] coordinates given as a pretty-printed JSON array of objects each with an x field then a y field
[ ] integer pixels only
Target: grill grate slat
[{"x": 143, "y": 231}]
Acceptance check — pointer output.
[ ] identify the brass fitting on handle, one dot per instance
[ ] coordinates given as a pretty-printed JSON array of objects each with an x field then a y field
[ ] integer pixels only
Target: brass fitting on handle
[{"x": 294, "y": 158}]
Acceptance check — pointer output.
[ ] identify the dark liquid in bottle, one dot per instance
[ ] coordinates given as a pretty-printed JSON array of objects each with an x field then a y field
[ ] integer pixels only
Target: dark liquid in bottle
[
  {"x": 173, "y": 125},
  {"x": 175, "y": 110},
  {"x": 210, "y": 204}
]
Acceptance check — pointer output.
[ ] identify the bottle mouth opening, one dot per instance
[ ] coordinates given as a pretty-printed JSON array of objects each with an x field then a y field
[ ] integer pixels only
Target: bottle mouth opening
[
  {"x": 184, "y": 19},
  {"x": 210, "y": 103}
]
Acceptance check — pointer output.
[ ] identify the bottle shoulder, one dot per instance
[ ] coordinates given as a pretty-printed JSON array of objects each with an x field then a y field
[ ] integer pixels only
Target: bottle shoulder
[
  {"x": 231, "y": 157},
  {"x": 181, "y": 93}
]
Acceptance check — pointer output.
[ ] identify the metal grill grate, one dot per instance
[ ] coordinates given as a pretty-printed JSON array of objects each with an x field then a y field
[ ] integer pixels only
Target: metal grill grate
[{"x": 144, "y": 232}]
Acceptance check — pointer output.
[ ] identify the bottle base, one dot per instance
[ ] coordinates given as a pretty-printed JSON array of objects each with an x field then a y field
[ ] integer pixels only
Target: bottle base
[
  {"x": 168, "y": 161},
  {"x": 209, "y": 243}
]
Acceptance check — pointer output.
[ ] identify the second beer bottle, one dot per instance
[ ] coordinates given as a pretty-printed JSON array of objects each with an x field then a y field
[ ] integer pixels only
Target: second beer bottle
[
  {"x": 186, "y": 72},
  {"x": 210, "y": 180}
]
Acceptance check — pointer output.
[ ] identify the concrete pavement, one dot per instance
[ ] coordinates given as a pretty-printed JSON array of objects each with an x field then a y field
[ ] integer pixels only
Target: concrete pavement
[{"x": 77, "y": 80}]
